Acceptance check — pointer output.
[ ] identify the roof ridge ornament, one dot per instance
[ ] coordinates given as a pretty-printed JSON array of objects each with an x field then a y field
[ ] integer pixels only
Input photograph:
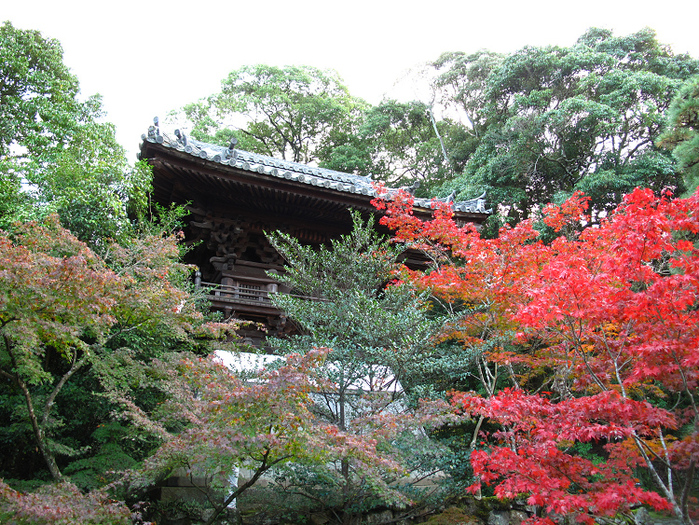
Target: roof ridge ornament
[
  {"x": 231, "y": 153},
  {"x": 181, "y": 137},
  {"x": 154, "y": 131}
]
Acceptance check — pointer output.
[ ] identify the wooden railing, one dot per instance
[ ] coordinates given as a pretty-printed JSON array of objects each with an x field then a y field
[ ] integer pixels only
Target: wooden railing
[{"x": 253, "y": 293}]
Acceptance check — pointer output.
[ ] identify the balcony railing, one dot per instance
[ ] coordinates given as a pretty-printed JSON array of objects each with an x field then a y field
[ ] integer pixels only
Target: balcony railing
[
  {"x": 252, "y": 293},
  {"x": 247, "y": 294}
]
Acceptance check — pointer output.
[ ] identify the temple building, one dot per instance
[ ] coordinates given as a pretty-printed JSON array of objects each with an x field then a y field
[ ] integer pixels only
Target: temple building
[{"x": 235, "y": 196}]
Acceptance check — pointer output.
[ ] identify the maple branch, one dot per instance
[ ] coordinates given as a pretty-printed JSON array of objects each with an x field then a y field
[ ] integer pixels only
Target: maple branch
[
  {"x": 684, "y": 498},
  {"x": 488, "y": 378},
  {"x": 202, "y": 489},
  {"x": 648, "y": 449},
  {"x": 264, "y": 466},
  {"x": 615, "y": 361},
  {"x": 74, "y": 367},
  {"x": 39, "y": 433},
  {"x": 687, "y": 390},
  {"x": 5, "y": 322},
  {"x": 474, "y": 440},
  {"x": 667, "y": 462},
  {"x": 322, "y": 502},
  {"x": 641, "y": 447},
  {"x": 577, "y": 348},
  {"x": 681, "y": 370}
]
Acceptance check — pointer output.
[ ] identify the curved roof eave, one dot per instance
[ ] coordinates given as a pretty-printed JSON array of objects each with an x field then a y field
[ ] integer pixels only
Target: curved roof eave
[{"x": 292, "y": 171}]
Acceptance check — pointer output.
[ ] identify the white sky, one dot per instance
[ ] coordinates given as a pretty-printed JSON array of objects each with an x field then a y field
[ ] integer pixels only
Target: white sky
[{"x": 146, "y": 57}]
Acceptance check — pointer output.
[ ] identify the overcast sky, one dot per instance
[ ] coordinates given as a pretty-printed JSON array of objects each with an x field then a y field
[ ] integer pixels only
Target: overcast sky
[{"x": 148, "y": 57}]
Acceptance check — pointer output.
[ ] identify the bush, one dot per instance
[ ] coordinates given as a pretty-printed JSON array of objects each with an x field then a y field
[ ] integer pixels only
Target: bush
[{"x": 60, "y": 504}]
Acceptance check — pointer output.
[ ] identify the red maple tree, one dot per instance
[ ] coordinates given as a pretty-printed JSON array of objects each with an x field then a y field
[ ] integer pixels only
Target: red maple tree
[{"x": 605, "y": 326}]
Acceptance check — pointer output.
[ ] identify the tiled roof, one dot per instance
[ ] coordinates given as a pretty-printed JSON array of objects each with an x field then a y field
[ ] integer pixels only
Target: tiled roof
[{"x": 284, "y": 169}]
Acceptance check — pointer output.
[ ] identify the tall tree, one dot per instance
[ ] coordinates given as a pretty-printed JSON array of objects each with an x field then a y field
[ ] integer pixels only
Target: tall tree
[
  {"x": 361, "y": 311},
  {"x": 461, "y": 85},
  {"x": 38, "y": 95},
  {"x": 403, "y": 144},
  {"x": 38, "y": 111},
  {"x": 294, "y": 112},
  {"x": 376, "y": 330},
  {"x": 682, "y": 133},
  {"x": 555, "y": 120},
  {"x": 55, "y": 155}
]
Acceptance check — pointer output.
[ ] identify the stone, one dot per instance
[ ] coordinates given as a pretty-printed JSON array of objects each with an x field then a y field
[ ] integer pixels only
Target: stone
[
  {"x": 375, "y": 518},
  {"x": 499, "y": 517},
  {"x": 518, "y": 516}
]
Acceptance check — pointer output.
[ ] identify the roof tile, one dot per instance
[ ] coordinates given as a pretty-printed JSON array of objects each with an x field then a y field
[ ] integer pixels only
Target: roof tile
[{"x": 294, "y": 171}]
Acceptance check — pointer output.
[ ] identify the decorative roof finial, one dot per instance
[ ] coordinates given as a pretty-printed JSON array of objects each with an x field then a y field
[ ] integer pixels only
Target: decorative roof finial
[
  {"x": 181, "y": 137},
  {"x": 230, "y": 152}
]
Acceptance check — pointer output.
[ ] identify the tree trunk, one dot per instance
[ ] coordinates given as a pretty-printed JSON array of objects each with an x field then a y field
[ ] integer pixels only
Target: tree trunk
[
  {"x": 261, "y": 469},
  {"x": 37, "y": 425},
  {"x": 39, "y": 433}
]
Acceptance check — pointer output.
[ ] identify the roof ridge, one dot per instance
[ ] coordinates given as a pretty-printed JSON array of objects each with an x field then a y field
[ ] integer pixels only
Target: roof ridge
[{"x": 290, "y": 170}]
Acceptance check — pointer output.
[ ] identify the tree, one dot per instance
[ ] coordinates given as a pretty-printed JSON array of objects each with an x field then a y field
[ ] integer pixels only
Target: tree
[
  {"x": 606, "y": 353},
  {"x": 54, "y": 154},
  {"x": 474, "y": 295},
  {"x": 462, "y": 83},
  {"x": 554, "y": 120},
  {"x": 38, "y": 111},
  {"x": 92, "y": 188},
  {"x": 227, "y": 421},
  {"x": 14, "y": 204},
  {"x": 307, "y": 115},
  {"x": 37, "y": 96},
  {"x": 407, "y": 145},
  {"x": 358, "y": 310},
  {"x": 60, "y": 304},
  {"x": 346, "y": 298},
  {"x": 682, "y": 133},
  {"x": 296, "y": 113}
]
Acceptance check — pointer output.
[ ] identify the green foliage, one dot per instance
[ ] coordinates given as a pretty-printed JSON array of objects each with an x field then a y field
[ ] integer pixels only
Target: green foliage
[
  {"x": 297, "y": 113},
  {"x": 462, "y": 83},
  {"x": 307, "y": 115},
  {"x": 92, "y": 188},
  {"x": 402, "y": 143},
  {"x": 554, "y": 120},
  {"x": 55, "y": 157},
  {"x": 358, "y": 310},
  {"x": 39, "y": 113},
  {"x": 378, "y": 331},
  {"x": 96, "y": 470},
  {"x": 38, "y": 106},
  {"x": 14, "y": 204},
  {"x": 682, "y": 133}
]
